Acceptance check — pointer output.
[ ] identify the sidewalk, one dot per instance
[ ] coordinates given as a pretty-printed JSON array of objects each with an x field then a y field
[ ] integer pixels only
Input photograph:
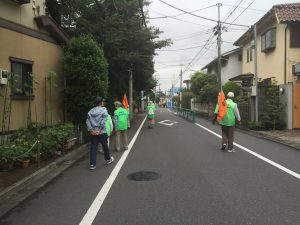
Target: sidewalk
[
  {"x": 286, "y": 137},
  {"x": 18, "y": 184}
]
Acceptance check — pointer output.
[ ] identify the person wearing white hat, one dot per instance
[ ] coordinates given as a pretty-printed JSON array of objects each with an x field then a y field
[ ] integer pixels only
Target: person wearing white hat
[{"x": 228, "y": 123}]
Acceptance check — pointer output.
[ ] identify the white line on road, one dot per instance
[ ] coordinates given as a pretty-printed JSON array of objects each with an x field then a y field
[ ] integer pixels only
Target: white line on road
[
  {"x": 97, "y": 203},
  {"x": 297, "y": 175}
]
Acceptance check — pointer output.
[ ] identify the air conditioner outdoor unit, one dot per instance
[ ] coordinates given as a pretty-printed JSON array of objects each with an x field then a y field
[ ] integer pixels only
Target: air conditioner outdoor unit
[
  {"x": 3, "y": 76},
  {"x": 296, "y": 69}
]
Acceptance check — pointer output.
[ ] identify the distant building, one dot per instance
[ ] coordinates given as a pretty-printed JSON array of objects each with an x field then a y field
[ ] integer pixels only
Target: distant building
[{"x": 231, "y": 65}]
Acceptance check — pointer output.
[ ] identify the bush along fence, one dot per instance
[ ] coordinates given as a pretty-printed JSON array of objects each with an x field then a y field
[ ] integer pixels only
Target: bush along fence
[
  {"x": 35, "y": 144},
  {"x": 186, "y": 113}
]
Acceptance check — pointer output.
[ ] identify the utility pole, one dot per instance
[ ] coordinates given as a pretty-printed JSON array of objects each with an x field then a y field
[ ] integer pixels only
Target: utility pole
[
  {"x": 130, "y": 93},
  {"x": 180, "y": 95},
  {"x": 171, "y": 94},
  {"x": 219, "y": 48},
  {"x": 255, "y": 72},
  {"x": 142, "y": 100}
]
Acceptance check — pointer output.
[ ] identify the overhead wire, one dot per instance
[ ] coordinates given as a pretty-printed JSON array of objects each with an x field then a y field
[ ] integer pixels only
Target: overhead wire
[{"x": 205, "y": 18}]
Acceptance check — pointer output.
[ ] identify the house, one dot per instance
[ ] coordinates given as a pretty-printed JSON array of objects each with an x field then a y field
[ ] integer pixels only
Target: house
[
  {"x": 231, "y": 65},
  {"x": 30, "y": 43},
  {"x": 278, "y": 55},
  {"x": 187, "y": 83}
]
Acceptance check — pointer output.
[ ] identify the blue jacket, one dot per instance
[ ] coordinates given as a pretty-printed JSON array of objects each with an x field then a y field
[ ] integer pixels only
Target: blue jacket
[{"x": 96, "y": 119}]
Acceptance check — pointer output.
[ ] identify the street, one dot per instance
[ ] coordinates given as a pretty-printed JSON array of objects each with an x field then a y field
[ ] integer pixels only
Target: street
[{"x": 192, "y": 182}]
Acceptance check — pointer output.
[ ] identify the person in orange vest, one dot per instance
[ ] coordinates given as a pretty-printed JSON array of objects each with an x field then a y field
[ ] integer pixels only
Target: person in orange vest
[{"x": 228, "y": 122}]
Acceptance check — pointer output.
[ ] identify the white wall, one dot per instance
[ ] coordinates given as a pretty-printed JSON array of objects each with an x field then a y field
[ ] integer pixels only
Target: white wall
[{"x": 232, "y": 69}]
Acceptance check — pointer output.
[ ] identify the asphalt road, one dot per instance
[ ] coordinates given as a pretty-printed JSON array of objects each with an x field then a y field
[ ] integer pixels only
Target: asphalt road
[{"x": 197, "y": 183}]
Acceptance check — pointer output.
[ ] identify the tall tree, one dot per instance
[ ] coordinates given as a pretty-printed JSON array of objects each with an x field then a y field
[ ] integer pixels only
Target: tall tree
[
  {"x": 85, "y": 68},
  {"x": 119, "y": 27}
]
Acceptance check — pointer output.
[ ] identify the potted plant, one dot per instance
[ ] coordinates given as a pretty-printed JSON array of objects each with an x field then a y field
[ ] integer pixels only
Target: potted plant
[{"x": 8, "y": 156}]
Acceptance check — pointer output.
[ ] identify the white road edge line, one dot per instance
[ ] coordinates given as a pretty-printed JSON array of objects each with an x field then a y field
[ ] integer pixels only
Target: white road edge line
[
  {"x": 297, "y": 175},
  {"x": 98, "y": 201}
]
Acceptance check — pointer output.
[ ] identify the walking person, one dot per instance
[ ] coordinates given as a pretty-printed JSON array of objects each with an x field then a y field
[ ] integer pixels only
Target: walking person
[
  {"x": 228, "y": 122},
  {"x": 96, "y": 124},
  {"x": 109, "y": 128},
  {"x": 150, "y": 114},
  {"x": 121, "y": 126}
]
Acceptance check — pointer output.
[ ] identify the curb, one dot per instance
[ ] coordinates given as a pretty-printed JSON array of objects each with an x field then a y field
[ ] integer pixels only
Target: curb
[
  {"x": 267, "y": 137},
  {"x": 22, "y": 189}
]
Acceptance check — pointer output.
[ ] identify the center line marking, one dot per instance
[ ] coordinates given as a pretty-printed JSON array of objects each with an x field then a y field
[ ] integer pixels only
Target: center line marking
[
  {"x": 98, "y": 201},
  {"x": 297, "y": 175}
]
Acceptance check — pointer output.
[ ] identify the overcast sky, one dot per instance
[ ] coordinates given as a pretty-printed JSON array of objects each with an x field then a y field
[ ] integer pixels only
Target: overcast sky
[{"x": 188, "y": 31}]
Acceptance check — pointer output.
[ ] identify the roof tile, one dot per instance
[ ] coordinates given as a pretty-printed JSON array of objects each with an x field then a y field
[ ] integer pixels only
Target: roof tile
[{"x": 287, "y": 12}]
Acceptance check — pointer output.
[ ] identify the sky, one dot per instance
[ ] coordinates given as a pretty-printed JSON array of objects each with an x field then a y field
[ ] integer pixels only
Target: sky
[{"x": 194, "y": 43}]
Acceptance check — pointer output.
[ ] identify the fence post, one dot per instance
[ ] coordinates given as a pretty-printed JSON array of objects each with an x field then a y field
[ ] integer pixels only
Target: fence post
[{"x": 39, "y": 149}]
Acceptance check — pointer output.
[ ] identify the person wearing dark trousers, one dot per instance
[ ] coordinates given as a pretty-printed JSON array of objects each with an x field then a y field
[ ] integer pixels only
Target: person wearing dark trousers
[
  {"x": 96, "y": 125},
  {"x": 121, "y": 126},
  {"x": 228, "y": 122}
]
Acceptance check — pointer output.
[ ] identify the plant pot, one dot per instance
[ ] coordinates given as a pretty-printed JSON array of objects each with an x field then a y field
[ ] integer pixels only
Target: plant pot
[
  {"x": 6, "y": 166},
  {"x": 25, "y": 163}
]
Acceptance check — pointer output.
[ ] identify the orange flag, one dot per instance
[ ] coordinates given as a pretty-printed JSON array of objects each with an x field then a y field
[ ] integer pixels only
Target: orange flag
[
  {"x": 125, "y": 102},
  {"x": 222, "y": 106}
]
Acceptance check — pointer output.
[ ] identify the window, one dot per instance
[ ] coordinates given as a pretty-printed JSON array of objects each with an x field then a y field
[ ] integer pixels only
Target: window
[
  {"x": 240, "y": 58},
  {"x": 268, "y": 40},
  {"x": 250, "y": 54},
  {"x": 22, "y": 78},
  {"x": 295, "y": 37}
]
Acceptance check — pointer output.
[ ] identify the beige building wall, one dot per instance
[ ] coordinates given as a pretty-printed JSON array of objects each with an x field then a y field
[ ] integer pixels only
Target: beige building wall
[
  {"x": 22, "y": 14},
  {"x": 271, "y": 64},
  {"x": 46, "y": 56},
  {"x": 293, "y": 57}
]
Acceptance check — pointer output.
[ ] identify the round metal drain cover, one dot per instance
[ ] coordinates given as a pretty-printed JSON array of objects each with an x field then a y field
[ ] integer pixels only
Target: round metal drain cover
[{"x": 144, "y": 176}]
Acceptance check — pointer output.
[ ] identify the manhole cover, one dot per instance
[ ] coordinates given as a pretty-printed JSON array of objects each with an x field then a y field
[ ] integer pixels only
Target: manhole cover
[{"x": 144, "y": 176}]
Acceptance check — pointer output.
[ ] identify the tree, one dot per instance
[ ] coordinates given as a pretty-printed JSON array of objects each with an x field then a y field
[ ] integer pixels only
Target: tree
[
  {"x": 85, "y": 69},
  {"x": 272, "y": 116},
  {"x": 204, "y": 86},
  {"x": 118, "y": 26},
  {"x": 231, "y": 86}
]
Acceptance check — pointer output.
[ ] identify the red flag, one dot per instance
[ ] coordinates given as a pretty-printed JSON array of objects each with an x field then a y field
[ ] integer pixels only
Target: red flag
[
  {"x": 125, "y": 102},
  {"x": 222, "y": 107}
]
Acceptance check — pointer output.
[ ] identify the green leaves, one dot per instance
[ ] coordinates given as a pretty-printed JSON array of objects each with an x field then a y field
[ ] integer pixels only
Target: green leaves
[
  {"x": 86, "y": 76},
  {"x": 204, "y": 86}
]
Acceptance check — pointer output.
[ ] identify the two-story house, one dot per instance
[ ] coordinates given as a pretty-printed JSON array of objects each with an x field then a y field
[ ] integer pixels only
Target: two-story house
[
  {"x": 30, "y": 43},
  {"x": 231, "y": 65},
  {"x": 278, "y": 55}
]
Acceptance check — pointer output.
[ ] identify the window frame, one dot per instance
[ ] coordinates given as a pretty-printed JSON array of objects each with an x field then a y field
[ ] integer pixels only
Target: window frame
[
  {"x": 250, "y": 54},
  {"x": 293, "y": 36},
  {"x": 25, "y": 80},
  {"x": 268, "y": 44}
]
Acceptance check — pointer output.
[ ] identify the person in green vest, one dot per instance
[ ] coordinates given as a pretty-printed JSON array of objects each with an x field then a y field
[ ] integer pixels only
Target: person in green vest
[
  {"x": 121, "y": 126},
  {"x": 150, "y": 114},
  {"x": 228, "y": 122},
  {"x": 109, "y": 128}
]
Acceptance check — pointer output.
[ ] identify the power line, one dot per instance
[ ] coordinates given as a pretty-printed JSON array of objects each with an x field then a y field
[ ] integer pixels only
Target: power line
[
  {"x": 168, "y": 17},
  {"x": 260, "y": 10},
  {"x": 180, "y": 49},
  {"x": 205, "y": 18},
  {"x": 241, "y": 13}
]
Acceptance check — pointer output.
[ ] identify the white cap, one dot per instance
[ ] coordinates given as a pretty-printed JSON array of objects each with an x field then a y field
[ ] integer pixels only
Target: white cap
[{"x": 230, "y": 95}]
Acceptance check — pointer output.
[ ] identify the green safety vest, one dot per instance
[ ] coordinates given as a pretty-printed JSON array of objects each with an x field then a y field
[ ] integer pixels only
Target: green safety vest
[
  {"x": 107, "y": 125},
  {"x": 229, "y": 118},
  {"x": 150, "y": 111},
  {"x": 122, "y": 116}
]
